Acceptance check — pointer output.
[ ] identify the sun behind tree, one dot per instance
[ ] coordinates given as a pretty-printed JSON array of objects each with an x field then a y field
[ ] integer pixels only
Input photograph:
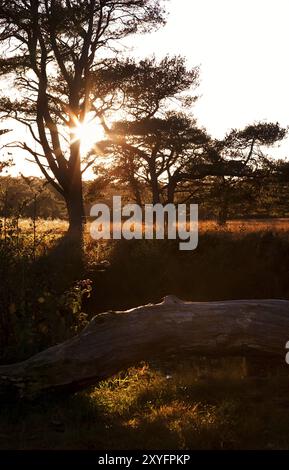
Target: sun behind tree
[
  {"x": 88, "y": 133},
  {"x": 53, "y": 49}
]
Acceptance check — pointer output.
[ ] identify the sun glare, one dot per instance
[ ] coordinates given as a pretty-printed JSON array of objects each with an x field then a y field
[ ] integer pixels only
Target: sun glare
[{"x": 89, "y": 132}]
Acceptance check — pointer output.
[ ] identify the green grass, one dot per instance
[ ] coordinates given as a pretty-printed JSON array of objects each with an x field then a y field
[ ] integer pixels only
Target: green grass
[{"x": 209, "y": 406}]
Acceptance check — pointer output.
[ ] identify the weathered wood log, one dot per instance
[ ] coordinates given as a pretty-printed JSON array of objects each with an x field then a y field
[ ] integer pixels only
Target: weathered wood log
[{"x": 114, "y": 341}]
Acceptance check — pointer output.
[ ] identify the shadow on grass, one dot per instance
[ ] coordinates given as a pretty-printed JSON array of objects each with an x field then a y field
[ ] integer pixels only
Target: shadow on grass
[
  {"x": 37, "y": 300},
  {"x": 63, "y": 263},
  {"x": 150, "y": 409}
]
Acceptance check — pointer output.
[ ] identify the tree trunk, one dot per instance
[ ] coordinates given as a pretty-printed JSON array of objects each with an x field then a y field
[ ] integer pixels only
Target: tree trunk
[
  {"x": 75, "y": 209},
  {"x": 223, "y": 215},
  {"x": 172, "y": 185},
  {"x": 154, "y": 182},
  {"x": 135, "y": 190},
  {"x": 116, "y": 340},
  {"x": 74, "y": 198}
]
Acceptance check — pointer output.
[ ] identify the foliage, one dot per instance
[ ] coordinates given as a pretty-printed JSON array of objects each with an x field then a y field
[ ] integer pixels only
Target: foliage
[
  {"x": 37, "y": 309},
  {"x": 154, "y": 142}
]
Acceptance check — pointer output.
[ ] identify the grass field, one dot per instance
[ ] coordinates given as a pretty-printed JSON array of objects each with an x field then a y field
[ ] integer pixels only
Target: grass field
[
  {"x": 235, "y": 226},
  {"x": 205, "y": 404},
  {"x": 202, "y": 405},
  {"x": 247, "y": 226}
]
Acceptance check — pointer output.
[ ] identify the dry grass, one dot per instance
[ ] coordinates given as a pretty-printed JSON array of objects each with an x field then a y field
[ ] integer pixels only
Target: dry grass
[
  {"x": 246, "y": 226},
  {"x": 147, "y": 408},
  {"x": 203, "y": 405},
  {"x": 58, "y": 226}
]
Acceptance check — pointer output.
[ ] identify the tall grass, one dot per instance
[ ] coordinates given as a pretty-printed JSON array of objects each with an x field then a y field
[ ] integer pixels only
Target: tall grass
[{"x": 45, "y": 296}]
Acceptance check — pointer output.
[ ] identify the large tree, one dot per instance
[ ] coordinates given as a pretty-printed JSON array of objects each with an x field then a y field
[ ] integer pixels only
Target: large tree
[
  {"x": 57, "y": 49},
  {"x": 158, "y": 137},
  {"x": 159, "y": 147}
]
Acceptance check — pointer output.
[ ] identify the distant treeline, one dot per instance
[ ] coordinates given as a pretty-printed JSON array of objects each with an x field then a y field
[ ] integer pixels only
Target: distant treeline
[{"x": 33, "y": 197}]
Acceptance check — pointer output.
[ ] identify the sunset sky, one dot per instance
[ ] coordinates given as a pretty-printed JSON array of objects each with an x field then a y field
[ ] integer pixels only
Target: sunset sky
[{"x": 242, "y": 48}]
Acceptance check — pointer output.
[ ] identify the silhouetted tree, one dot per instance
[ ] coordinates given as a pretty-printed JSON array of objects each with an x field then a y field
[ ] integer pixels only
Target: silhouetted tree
[
  {"x": 160, "y": 146},
  {"x": 57, "y": 49},
  {"x": 241, "y": 164},
  {"x": 158, "y": 138}
]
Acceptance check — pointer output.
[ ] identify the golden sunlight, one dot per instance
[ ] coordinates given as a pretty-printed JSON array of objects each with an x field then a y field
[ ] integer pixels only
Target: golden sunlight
[{"x": 89, "y": 132}]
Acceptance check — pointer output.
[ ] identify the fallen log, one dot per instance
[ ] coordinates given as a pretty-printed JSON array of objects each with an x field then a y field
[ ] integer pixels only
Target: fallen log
[{"x": 114, "y": 341}]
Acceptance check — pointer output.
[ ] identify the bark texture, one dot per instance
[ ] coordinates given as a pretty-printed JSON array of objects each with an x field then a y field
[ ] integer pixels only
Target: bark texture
[{"x": 114, "y": 341}]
